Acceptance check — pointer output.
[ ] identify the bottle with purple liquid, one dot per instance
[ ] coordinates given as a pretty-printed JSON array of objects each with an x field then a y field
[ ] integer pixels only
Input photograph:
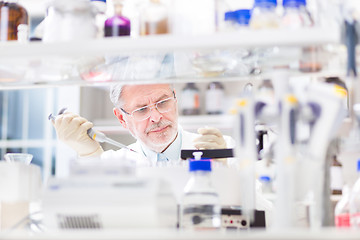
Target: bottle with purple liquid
[{"x": 118, "y": 25}]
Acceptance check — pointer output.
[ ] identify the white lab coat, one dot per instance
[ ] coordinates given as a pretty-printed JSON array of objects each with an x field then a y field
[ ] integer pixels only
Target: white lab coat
[{"x": 141, "y": 159}]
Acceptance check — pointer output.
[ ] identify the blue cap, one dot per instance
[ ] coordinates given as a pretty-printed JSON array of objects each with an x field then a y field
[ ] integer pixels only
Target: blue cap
[
  {"x": 199, "y": 165},
  {"x": 98, "y": 1},
  {"x": 243, "y": 16},
  {"x": 230, "y": 16},
  {"x": 264, "y": 178},
  {"x": 294, "y": 3},
  {"x": 265, "y": 3},
  {"x": 358, "y": 165}
]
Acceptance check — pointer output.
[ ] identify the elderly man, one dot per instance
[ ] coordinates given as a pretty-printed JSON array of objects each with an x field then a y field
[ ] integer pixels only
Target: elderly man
[{"x": 150, "y": 113}]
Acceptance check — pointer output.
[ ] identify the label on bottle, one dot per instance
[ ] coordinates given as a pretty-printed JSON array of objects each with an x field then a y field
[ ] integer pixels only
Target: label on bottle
[
  {"x": 214, "y": 101},
  {"x": 342, "y": 220},
  {"x": 190, "y": 99},
  {"x": 336, "y": 178}
]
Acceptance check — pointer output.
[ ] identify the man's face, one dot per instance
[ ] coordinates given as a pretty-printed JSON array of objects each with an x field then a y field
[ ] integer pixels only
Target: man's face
[{"x": 160, "y": 129}]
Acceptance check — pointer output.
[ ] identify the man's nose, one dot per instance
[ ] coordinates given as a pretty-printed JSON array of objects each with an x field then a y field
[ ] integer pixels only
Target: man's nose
[{"x": 155, "y": 115}]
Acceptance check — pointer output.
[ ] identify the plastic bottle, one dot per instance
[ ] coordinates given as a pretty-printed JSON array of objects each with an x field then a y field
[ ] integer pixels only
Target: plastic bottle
[
  {"x": 99, "y": 8},
  {"x": 200, "y": 208},
  {"x": 342, "y": 209},
  {"x": 118, "y": 25},
  {"x": 264, "y": 14},
  {"x": 12, "y": 15},
  {"x": 154, "y": 18},
  {"x": 190, "y": 103},
  {"x": 355, "y": 201},
  {"x": 215, "y": 94},
  {"x": 295, "y": 14}
]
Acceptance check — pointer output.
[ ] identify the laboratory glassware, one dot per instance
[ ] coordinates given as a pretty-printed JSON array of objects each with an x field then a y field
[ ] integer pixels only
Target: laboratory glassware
[
  {"x": 214, "y": 102},
  {"x": 19, "y": 157},
  {"x": 355, "y": 201},
  {"x": 342, "y": 210},
  {"x": 264, "y": 14},
  {"x": 200, "y": 206},
  {"x": 117, "y": 25},
  {"x": 190, "y": 103},
  {"x": 154, "y": 18},
  {"x": 12, "y": 16}
]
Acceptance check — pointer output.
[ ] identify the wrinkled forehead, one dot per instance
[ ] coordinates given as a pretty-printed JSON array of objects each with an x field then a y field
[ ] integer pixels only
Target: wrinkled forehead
[{"x": 141, "y": 95}]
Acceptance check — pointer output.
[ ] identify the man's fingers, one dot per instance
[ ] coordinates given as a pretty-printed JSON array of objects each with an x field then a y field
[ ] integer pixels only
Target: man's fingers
[{"x": 210, "y": 131}]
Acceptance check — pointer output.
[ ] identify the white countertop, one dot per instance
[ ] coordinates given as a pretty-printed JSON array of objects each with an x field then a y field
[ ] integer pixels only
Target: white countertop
[{"x": 326, "y": 233}]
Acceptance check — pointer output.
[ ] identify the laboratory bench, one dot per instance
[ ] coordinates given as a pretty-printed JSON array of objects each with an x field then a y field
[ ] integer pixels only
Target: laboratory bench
[{"x": 137, "y": 234}]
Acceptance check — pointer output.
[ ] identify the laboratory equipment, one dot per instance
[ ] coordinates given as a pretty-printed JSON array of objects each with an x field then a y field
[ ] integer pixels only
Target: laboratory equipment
[
  {"x": 326, "y": 102},
  {"x": 19, "y": 157},
  {"x": 190, "y": 99},
  {"x": 246, "y": 152},
  {"x": 286, "y": 162},
  {"x": 96, "y": 135},
  {"x": 336, "y": 176},
  {"x": 69, "y": 20},
  {"x": 20, "y": 185},
  {"x": 264, "y": 15},
  {"x": 342, "y": 209},
  {"x": 99, "y": 9},
  {"x": 108, "y": 202},
  {"x": 12, "y": 16},
  {"x": 295, "y": 14},
  {"x": 154, "y": 18},
  {"x": 214, "y": 98},
  {"x": 200, "y": 206},
  {"x": 355, "y": 201},
  {"x": 117, "y": 25}
]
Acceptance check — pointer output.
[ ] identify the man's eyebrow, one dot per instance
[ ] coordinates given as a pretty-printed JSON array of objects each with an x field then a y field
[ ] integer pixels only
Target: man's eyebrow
[{"x": 158, "y": 99}]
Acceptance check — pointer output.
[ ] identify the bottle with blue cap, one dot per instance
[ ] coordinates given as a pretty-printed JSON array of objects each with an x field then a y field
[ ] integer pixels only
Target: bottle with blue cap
[
  {"x": 264, "y": 14},
  {"x": 237, "y": 19},
  {"x": 355, "y": 201},
  {"x": 295, "y": 14},
  {"x": 200, "y": 206}
]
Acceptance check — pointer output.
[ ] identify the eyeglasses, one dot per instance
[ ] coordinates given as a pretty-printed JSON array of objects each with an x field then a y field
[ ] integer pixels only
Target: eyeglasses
[{"x": 163, "y": 106}]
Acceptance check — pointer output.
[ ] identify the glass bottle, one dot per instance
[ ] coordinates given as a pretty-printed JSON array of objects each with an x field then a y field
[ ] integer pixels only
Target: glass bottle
[
  {"x": 243, "y": 17},
  {"x": 295, "y": 14},
  {"x": 12, "y": 15},
  {"x": 154, "y": 18},
  {"x": 342, "y": 210},
  {"x": 215, "y": 94},
  {"x": 264, "y": 14},
  {"x": 190, "y": 103},
  {"x": 355, "y": 201},
  {"x": 99, "y": 8},
  {"x": 336, "y": 182},
  {"x": 118, "y": 25},
  {"x": 200, "y": 206}
]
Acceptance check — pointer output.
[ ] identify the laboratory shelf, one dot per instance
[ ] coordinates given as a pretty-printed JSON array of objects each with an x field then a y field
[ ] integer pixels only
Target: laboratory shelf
[
  {"x": 157, "y": 58},
  {"x": 165, "y": 43}
]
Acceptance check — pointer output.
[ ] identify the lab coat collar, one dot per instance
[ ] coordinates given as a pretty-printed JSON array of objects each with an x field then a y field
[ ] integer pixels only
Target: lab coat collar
[{"x": 172, "y": 152}]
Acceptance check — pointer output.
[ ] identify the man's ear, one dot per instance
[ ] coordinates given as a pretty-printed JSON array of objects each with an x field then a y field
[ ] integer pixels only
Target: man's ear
[{"x": 120, "y": 116}]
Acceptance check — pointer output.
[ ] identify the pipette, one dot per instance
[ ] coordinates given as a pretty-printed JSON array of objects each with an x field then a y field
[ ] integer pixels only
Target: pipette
[
  {"x": 101, "y": 137},
  {"x": 96, "y": 135}
]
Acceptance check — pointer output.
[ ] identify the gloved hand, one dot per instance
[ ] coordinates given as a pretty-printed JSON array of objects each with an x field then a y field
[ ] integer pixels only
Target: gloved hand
[
  {"x": 211, "y": 138},
  {"x": 72, "y": 130}
]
